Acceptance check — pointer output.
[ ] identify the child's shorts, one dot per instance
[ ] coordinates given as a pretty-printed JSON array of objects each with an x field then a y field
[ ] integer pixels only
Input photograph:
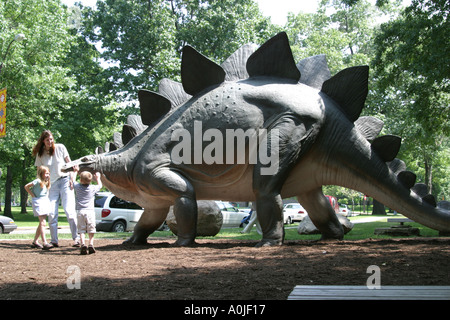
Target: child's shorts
[{"x": 86, "y": 221}]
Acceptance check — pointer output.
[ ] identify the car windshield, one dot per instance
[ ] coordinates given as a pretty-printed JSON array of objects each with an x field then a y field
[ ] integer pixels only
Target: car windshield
[
  {"x": 122, "y": 204},
  {"x": 99, "y": 201}
]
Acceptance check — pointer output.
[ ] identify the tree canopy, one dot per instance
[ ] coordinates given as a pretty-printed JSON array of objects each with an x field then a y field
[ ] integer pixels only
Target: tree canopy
[
  {"x": 49, "y": 80},
  {"x": 412, "y": 73},
  {"x": 143, "y": 39}
]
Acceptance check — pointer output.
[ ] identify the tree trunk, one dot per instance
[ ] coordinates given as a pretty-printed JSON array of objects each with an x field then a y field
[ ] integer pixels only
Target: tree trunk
[
  {"x": 8, "y": 192},
  {"x": 378, "y": 208},
  {"x": 23, "y": 192},
  {"x": 429, "y": 174}
]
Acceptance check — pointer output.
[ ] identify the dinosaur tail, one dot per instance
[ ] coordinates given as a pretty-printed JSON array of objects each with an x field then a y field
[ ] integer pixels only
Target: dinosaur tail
[{"x": 372, "y": 168}]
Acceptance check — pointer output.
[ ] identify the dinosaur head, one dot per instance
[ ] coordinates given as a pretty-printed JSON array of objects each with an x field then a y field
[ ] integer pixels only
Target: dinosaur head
[{"x": 87, "y": 163}]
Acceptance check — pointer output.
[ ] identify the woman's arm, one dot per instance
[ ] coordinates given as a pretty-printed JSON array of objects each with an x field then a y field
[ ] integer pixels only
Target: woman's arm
[{"x": 72, "y": 174}]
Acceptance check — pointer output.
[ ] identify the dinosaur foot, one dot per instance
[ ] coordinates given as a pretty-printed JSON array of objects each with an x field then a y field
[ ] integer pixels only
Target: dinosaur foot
[
  {"x": 269, "y": 243},
  {"x": 135, "y": 241},
  {"x": 184, "y": 243}
]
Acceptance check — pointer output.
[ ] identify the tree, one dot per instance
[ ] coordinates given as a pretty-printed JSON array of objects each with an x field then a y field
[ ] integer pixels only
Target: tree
[
  {"x": 48, "y": 87},
  {"x": 138, "y": 40},
  {"x": 92, "y": 111},
  {"x": 142, "y": 40},
  {"x": 35, "y": 79},
  {"x": 338, "y": 29},
  {"x": 216, "y": 30},
  {"x": 413, "y": 72}
]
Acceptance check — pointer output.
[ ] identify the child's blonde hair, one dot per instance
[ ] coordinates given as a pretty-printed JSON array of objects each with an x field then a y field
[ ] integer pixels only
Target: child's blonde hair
[
  {"x": 41, "y": 170},
  {"x": 85, "y": 177}
]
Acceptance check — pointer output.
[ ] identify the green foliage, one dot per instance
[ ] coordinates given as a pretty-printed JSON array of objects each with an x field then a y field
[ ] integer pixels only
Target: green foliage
[
  {"x": 413, "y": 84},
  {"x": 409, "y": 51},
  {"x": 52, "y": 82},
  {"x": 216, "y": 31},
  {"x": 343, "y": 35},
  {"x": 138, "y": 39},
  {"x": 142, "y": 39},
  {"x": 32, "y": 72}
]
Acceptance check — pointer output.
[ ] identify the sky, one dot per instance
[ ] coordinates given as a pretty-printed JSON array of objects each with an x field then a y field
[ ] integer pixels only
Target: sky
[{"x": 278, "y": 10}]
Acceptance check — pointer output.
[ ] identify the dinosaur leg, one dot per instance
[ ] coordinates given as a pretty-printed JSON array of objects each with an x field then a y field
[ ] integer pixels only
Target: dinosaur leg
[
  {"x": 185, "y": 211},
  {"x": 269, "y": 209},
  {"x": 322, "y": 214},
  {"x": 178, "y": 187},
  {"x": 283, "y": 144},
  {"x": 147, "y": 224}
]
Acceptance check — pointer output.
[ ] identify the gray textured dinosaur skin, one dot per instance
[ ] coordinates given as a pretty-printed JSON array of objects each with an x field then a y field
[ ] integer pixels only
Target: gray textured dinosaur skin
[{"x": 322, "y": 141}]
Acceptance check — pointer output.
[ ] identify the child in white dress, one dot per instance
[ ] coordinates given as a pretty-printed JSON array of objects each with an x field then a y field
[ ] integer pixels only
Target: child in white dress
[{"x": 38, "y": 189}]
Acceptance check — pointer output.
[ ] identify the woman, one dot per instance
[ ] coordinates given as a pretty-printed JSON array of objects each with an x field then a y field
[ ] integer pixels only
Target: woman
[{"x": 54, "y": 156}]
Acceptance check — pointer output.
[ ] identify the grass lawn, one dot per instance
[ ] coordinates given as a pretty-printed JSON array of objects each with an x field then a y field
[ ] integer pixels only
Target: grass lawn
[{"x": 359, "y": 232}]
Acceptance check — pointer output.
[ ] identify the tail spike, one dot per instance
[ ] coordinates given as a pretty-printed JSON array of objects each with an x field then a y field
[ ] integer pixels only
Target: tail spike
[
  {"x": 370, "y": 127},
  {"x": 349, "y": 88},
  {"x": 387, "y": 147},
  {"x": 407, "y": 178},
  {"x": 397, "y": 165},
  {"x": 430, "y": 199},
  {"x": 420, "y": 189}
]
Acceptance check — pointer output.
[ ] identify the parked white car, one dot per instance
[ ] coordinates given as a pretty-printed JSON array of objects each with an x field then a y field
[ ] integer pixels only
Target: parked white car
[
  {"x": 344, "y": 210},
  {"x": 100, "y": 199},
  {"x": 232, "y": 217},
  {"x": 113, "y": 214},
  {"x": 293, "y": 212}
]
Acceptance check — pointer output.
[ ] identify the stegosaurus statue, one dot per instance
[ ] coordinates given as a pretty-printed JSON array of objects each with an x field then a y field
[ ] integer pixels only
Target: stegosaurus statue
[{"x": 299, "y": 127}]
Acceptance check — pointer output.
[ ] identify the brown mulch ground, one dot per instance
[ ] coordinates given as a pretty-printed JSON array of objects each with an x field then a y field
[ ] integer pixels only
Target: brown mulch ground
[{"x": 214, "y": 269}]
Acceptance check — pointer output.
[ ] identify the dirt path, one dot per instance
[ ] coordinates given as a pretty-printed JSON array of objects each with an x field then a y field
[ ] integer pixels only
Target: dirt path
[{"x": 215, "y": 269}]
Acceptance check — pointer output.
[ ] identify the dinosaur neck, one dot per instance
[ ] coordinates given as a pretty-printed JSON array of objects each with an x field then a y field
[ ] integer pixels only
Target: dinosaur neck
[{"x": 113, "y": 167}]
